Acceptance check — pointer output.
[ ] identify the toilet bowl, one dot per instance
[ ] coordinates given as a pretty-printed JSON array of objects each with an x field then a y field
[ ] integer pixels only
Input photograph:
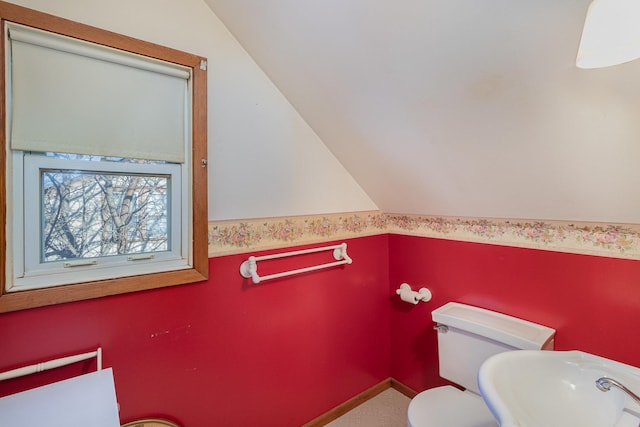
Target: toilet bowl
[
  {"x": 449, "y": 406},
  {"x": 467, "y": 336}
]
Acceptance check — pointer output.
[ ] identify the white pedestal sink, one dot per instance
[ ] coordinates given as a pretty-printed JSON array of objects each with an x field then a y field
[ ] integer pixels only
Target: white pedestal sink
[{"x": 529, "y": 388}]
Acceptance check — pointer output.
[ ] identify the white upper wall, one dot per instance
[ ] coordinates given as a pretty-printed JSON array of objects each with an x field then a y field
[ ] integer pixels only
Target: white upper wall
[
  {"x": 456, "y": 107},
  {"x": 264, "y": 160}
]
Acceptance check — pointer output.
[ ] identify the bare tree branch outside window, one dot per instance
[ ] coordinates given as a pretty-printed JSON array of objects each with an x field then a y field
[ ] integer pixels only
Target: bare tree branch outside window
[{"x": 88, "y": 215}]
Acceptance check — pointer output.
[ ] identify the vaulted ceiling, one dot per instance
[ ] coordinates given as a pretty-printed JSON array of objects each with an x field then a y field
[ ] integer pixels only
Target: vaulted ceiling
[{"x": 456, "y": 107}]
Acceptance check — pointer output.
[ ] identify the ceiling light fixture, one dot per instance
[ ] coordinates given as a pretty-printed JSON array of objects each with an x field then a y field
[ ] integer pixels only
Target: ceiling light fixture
[{"x": 611, "y": 34}]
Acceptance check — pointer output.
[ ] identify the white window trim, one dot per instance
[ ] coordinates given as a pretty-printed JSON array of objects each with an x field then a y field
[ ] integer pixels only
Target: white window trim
[{"x": 30, "y": 273}]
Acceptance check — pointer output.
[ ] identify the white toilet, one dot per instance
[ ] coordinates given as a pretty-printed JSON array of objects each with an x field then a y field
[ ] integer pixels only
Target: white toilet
[{"x": 467, "y": 336}]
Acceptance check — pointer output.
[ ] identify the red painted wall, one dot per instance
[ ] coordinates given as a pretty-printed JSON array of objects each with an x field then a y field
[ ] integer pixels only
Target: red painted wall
[
  {"x": 226, "y": 352},
  {"x": 592, "y": 302},
  {"x": 230, "y": 353}
]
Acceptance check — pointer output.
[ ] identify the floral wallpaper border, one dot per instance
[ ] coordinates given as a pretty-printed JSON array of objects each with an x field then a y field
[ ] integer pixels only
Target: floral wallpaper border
[{"x": 239, "y": 236}]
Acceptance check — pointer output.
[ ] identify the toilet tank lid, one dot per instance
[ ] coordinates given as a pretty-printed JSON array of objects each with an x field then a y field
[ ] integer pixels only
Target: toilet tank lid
[{"x": 509, "y": 330}]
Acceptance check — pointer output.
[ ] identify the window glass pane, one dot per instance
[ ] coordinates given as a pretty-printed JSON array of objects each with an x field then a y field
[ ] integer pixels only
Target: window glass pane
[{"x": 88, "y": 214}]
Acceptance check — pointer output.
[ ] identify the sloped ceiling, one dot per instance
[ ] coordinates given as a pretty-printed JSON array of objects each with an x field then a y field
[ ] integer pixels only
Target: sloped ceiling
[{"x": 456, "y": 107}]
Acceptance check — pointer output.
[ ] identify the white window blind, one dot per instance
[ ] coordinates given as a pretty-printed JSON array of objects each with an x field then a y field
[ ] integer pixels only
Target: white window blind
[{"x": 71, "y": 96}]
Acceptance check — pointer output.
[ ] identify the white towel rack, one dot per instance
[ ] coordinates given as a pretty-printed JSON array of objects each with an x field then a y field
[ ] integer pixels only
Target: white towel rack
[
  {"x": 52, "y": 364},
  {"x": 249, "y": 268}
]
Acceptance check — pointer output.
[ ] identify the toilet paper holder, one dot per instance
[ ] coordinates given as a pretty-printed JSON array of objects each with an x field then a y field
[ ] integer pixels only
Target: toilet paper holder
[{"x": 411, "y": 296}]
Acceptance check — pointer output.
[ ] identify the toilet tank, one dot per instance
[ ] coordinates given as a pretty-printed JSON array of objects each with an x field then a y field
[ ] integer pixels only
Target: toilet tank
[{"x": 467, "y": 336}]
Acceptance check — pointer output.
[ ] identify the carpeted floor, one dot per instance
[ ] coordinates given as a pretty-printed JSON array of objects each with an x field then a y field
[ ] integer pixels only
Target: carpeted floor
[{"x": 388, "y": 409}]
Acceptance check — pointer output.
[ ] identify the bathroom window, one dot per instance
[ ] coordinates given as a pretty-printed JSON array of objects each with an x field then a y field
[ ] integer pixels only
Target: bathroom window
[
  {"x": 102, "y": 134},
  {"x": 91, "y": 217}
]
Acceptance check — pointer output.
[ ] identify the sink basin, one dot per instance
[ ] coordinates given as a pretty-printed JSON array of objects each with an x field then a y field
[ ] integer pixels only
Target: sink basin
[{"x": 530, "y": 388}]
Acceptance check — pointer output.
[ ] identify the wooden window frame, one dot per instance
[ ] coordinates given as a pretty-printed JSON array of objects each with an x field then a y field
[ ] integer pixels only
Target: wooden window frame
[{"x": 12, "y": 301}]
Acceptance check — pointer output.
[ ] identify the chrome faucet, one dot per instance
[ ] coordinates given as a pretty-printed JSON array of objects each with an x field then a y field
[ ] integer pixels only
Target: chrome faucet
[{"x": 605, "y": 384}]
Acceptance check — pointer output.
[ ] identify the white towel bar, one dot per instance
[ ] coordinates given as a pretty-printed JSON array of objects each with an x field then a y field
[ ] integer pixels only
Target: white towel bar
[
  {"x": 52, "y": 364},
  {"x": 249, "y": 268}
]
